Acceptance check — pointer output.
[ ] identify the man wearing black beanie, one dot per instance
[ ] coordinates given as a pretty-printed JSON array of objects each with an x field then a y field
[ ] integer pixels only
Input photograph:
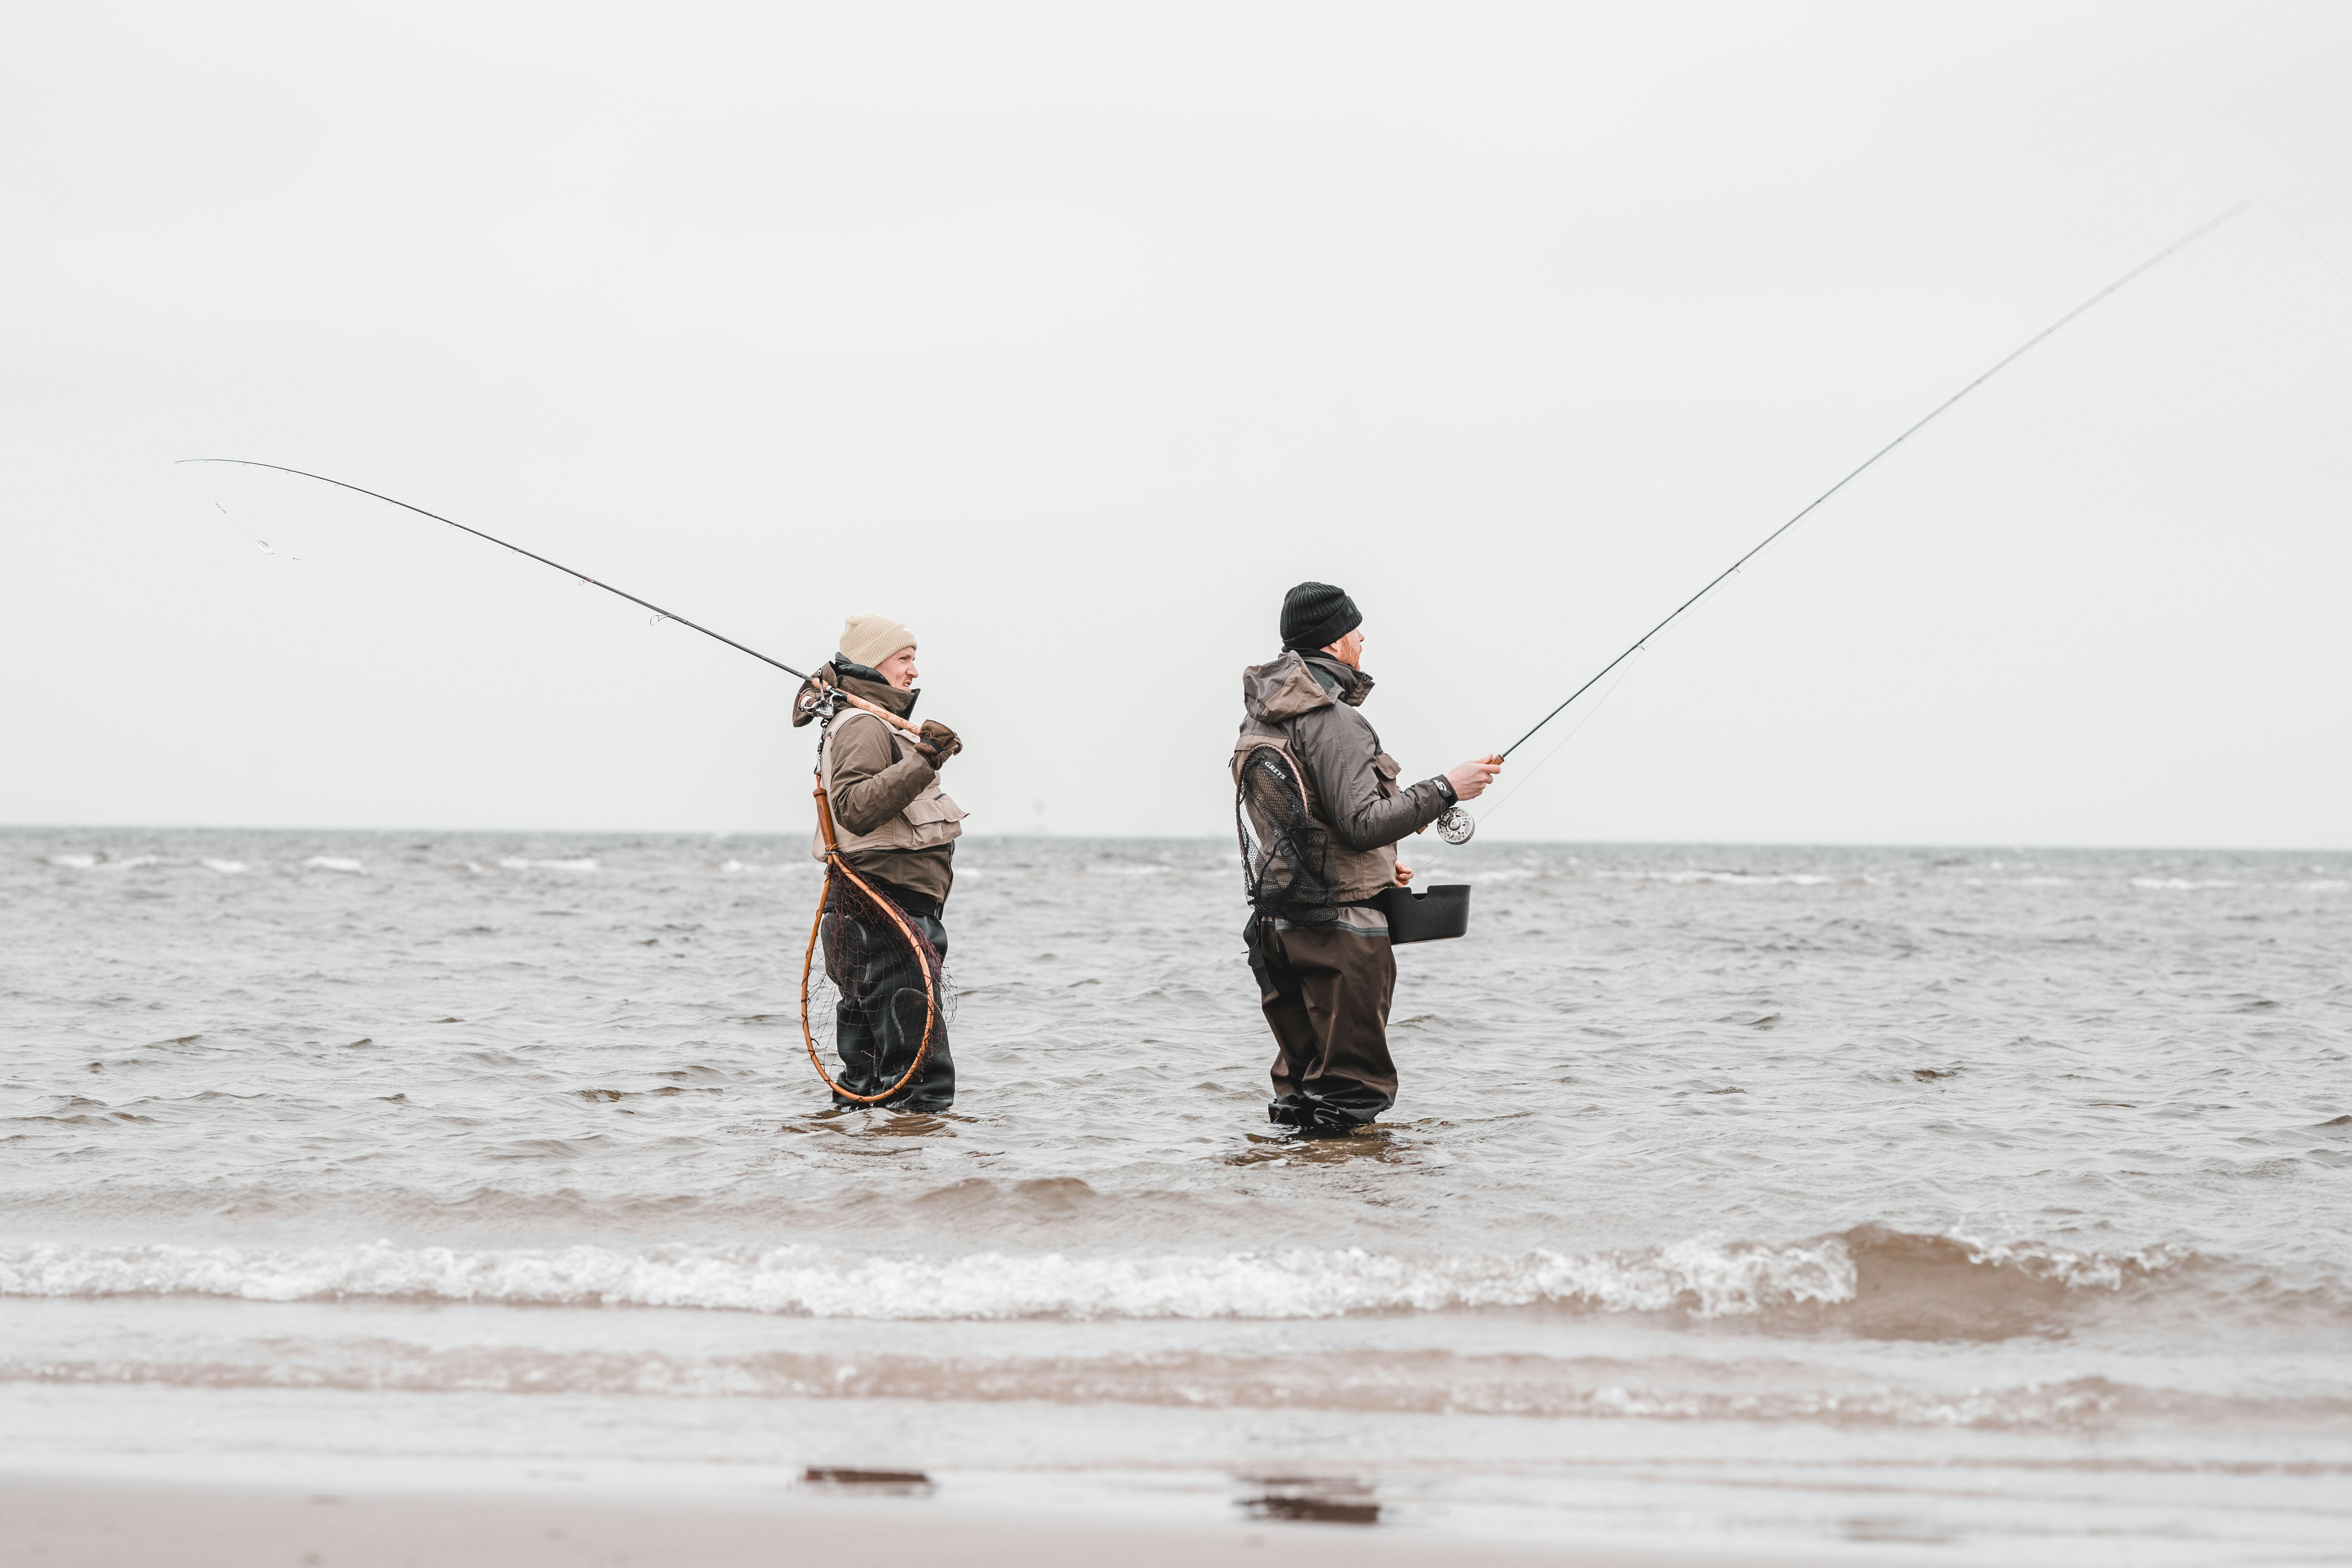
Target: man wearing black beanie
[{"x": 1321, "y": 813}]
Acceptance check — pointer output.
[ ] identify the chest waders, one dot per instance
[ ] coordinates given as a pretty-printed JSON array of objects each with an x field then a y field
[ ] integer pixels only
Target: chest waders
[{"x": 858, "y": 907}]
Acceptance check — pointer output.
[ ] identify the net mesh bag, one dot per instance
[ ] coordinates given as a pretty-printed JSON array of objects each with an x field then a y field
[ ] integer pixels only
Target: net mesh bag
[
  {"x": 874, "y": 993},
  {"x": 1286, "y": 853}
]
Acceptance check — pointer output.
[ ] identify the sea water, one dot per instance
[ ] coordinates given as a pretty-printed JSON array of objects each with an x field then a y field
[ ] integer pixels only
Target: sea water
[{"x": 1973, "y": 1205}]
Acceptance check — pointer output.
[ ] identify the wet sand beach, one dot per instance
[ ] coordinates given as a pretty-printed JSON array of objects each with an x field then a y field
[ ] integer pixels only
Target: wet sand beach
[{"x": 66, "y": 1525}]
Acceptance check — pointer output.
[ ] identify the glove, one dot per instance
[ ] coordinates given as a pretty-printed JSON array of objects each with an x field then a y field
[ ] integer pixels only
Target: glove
[{"x": 938, "y": 743}]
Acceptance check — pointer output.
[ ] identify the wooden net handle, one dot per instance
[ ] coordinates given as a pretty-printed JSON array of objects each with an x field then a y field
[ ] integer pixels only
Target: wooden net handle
[{"x": 825, "y": 824}]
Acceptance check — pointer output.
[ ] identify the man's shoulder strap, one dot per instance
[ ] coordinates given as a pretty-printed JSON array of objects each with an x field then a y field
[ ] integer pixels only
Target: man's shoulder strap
[{"x": 891, "y": 731}]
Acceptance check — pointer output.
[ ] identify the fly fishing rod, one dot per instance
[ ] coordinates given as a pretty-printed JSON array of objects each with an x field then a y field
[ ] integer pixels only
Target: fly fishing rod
[
  {"x": 1456, "y": 826},
  {"x": 845, "y": 894},
  {"x": 822, "y": 691}
]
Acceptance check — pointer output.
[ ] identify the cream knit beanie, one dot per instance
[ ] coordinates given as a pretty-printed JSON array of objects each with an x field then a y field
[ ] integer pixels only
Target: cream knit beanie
[{"x": 871, "y": 640}]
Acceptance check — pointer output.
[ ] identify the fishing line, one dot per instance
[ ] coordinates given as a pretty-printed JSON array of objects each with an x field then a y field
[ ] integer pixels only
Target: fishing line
[
  {"x": 1524, "y": 779},
  {"x": 2325, "y": 260},
  {"x": 1456, "y": 826},
  {"x": 1530, "y": 775},
  {"x": 849, "y": 898},
  {"x": 580, "y": 576}
]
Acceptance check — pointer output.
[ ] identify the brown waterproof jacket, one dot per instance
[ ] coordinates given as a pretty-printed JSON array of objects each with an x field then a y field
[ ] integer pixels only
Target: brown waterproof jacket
[
  {"x": 889, "y": 815},
  {"x": 1313, "y": 703}
]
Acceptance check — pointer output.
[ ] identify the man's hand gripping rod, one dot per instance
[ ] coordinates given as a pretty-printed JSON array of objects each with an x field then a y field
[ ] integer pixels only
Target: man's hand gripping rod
[{"x": 1454, "y": 825}]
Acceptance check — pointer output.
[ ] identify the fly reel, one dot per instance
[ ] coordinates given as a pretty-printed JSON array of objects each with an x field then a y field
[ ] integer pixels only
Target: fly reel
[{"x": 1456, "y": 826}]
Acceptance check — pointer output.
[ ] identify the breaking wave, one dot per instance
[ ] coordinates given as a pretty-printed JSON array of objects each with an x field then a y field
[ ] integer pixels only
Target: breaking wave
[{"x": 1869, "y": 1280}]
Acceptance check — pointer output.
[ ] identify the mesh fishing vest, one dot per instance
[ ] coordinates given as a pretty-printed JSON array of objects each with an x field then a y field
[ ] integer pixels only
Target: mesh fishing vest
[
  {"x": 1291, "y": 860},
  {"x": 928, "y": 820},
  {"x": 1286, "y": 852}
]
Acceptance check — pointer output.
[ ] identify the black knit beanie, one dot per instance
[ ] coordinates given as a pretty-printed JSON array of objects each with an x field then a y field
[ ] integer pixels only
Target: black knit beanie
[{"x": 1317, "y": 615}]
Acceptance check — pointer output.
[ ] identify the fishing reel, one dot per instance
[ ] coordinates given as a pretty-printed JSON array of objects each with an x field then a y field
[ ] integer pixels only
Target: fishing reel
[
  {"x": 1456, "y": 826},
  {"x": 817, "y": 701}
]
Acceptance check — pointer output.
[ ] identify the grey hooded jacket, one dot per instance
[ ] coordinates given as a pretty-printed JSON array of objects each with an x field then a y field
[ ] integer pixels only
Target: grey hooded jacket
[{"x": 1312, "y": 703}]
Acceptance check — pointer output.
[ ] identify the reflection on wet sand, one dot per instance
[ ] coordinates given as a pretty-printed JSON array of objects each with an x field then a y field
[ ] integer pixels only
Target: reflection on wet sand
[
  {"x": 870, "y": 1483},
  {"x": 1311, "y": 1500}
]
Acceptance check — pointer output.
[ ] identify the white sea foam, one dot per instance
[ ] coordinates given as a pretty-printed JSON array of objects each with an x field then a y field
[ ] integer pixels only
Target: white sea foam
[
  {"x": 226, "y": 868},
  {"x": 1701, "y": 1278},
  {"x": 72, "y": 862},
  {"x": 2177, "y": 884},
  {"x": 1704, "y": 1278},
  {"x": 335, "y": 863},
  {"x": 517, "y": 863},
  {"x": 2075, "y": 1270}
]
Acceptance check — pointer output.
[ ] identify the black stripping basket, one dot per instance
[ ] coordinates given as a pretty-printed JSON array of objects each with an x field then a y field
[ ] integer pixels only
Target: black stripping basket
[{"x": 1418, "y": 916}]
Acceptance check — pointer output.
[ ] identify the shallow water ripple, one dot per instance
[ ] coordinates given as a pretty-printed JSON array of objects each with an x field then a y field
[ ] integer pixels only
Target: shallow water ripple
[{"x": 2029, "y": 1143}]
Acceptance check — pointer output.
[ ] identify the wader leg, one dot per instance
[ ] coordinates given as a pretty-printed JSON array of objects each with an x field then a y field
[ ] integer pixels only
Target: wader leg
[
  {"x": 1329, "y": 1012},
  {"x": 878, "y": 1022},
  {"x": 933, "y": 1089},
  {"x": 847, "y": 943}
]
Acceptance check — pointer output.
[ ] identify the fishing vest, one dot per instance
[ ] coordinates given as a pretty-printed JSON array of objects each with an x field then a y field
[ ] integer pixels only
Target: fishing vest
[
  {"x": 929, "y": 820},
  {"x": 1353, "y": 874}
]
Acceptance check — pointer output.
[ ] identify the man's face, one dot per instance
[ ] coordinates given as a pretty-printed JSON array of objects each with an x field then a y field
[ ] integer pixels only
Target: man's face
[
  {"x": 899, "y": 669},
  {"x": 1349, "y": 649}
]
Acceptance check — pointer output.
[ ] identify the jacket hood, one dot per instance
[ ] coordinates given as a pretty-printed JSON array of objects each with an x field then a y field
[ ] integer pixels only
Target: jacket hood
[
  {"x": 1299, "y": 683},
  {"x": 859, "y": 682}
]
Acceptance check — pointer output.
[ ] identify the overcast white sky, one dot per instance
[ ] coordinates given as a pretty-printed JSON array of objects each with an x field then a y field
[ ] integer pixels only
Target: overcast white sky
[{"x": 1074, "y": 335}]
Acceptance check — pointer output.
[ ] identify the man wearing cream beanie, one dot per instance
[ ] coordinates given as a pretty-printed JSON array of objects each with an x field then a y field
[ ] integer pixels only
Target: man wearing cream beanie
[
  {"x": 895, "y": 825},
  {"x": 871, "y": 640}
]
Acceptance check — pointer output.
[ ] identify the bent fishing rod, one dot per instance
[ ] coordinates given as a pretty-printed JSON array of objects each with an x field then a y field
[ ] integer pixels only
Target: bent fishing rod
[
  {"x": 831, "y": 692},
  {"x": 1463, "y": 826}
]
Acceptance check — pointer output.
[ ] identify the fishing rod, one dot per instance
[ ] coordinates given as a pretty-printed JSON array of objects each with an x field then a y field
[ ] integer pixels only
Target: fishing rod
[
  {"x": 823, "y": 692},
  {"x": 1456, "y": 826}
]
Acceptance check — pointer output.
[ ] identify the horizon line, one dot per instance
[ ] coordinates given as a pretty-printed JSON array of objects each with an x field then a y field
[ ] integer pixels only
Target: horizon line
[{"x": 2010, "y": 845}]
